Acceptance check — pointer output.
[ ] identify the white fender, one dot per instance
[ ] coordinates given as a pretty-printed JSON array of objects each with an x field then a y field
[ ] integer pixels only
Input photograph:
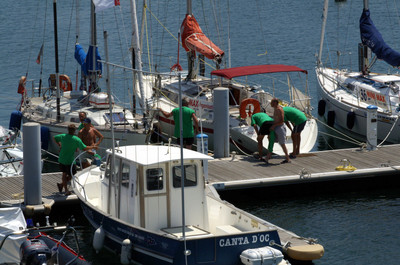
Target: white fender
[
  {"x": 98, "y": 239},
  {"x": 125, "y": 251}
]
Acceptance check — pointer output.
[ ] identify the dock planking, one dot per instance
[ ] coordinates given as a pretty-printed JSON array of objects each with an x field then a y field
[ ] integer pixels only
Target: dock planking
[{"x": 248, "y": 172}]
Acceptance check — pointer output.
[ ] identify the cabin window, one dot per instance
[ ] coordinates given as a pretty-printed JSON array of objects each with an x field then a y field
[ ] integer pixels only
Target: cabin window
[
  {"x": 154, "y": 179},
  {"x": 190, "y": 176},
  {"x": 125, "y": 174}
]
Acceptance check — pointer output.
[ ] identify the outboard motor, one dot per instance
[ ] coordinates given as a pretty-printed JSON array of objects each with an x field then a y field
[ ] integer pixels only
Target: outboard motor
[{"x": 34, "y": 252}]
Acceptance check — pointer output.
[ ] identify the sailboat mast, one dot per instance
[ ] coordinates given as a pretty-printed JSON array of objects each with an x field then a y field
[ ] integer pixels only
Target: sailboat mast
[
  {"x": 366, "y": 5},
  {"x": 324, "y": 18},
  {"x": 56, "y": 58},
  {"x": 137, "y": 56},
  {"x": 93, "y": 43}
]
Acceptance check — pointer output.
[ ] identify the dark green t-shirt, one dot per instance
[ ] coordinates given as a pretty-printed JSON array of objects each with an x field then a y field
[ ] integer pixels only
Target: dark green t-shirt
[
  {"x": 69, "y": 143},
  {"x": 188, "y": 130}
]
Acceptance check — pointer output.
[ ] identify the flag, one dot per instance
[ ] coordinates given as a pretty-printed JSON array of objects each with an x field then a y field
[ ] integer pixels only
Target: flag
[
  {"x": 104, "y": 4},
  {"x": 39, "y": 55}
]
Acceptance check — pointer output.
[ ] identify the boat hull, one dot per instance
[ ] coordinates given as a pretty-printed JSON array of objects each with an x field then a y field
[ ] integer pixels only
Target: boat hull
[
  {"x": 336, "y": 111},
  {"x": 124, "y": 137},
  {"x": 154, "y": 248}
]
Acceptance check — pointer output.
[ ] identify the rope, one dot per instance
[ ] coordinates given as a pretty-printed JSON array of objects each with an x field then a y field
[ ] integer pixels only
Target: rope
[
  {"x": 239, "y": 148},
  {"x": 391, "y": 129},
  {"x": 339, "y": 132}
]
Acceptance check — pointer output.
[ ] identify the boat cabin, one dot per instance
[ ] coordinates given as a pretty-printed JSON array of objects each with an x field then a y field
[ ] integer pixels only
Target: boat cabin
[{"x": 145, "y": 186}]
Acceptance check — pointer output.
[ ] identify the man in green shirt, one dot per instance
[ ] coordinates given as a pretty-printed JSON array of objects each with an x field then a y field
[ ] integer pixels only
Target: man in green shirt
[
  {"x": 298, "y": 119},
  {"x": 188, "y": 117},
  {"x": 68, "y": 144},
  {"x": 264, "y": 122}
]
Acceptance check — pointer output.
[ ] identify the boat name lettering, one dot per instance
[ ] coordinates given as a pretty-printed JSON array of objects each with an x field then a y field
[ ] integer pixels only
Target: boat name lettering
[
  {"x": 234, "y": 241},
  {"x": 195, "y": 104},
  {"x": 368, "y": 95}
]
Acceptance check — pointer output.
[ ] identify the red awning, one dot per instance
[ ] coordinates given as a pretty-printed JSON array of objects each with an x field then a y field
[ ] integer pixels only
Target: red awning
[
  {"x": 230, "y": 73},
  {"x": 193, "y": 39}
]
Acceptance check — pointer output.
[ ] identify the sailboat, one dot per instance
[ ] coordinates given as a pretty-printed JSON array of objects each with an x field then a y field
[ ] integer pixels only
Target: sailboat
[
  {"x": 58, "y": 105},
  {"x": 199, "y": 90},
  {"x": 347, "y": 97}
]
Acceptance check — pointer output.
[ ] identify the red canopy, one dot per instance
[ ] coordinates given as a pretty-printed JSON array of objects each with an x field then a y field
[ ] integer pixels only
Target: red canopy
[
  {"x": 193, "y": 39},
  {"x": 230, "y": 73}
]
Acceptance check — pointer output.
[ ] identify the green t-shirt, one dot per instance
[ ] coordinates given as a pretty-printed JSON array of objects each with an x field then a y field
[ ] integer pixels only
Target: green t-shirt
[
  {"x": 188, "y": 130},
  {"x": 259, "y": 118},
  {"x": 80, "y": 127},
  {"x": 294, "y": 115},
  {"x": 69, "y": 143}
]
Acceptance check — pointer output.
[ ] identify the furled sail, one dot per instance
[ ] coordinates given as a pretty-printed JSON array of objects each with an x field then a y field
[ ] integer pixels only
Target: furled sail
[
  {"x": 193, "y": 39},
  {"x": 371, "y": 37},
  {"x": 85, "y": 60}
]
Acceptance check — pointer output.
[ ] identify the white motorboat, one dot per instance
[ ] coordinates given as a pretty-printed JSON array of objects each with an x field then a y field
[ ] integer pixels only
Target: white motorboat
[
  {"x": 11, "y": 155},
  {"x": 152, "y": 205}
]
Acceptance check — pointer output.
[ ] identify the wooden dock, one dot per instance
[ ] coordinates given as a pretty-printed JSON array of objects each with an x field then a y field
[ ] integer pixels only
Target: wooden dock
[
  {"x": 242, "y": 172},
  {"x": 247, "y": 172}
]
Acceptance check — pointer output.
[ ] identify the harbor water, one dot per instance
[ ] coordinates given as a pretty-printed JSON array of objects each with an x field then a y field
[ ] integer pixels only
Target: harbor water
[{"x": 356, "y": 225}]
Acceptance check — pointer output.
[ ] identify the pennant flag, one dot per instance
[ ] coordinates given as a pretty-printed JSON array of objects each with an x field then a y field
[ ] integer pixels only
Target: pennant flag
[
  {"x": 104, "y": 4},
  {"x": 39, "y": 55}
]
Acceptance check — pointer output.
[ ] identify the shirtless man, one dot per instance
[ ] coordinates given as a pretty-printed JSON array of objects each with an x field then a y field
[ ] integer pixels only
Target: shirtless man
[
  {"x": 279, "y": 127},
  {"x": 89, "y": 135}
]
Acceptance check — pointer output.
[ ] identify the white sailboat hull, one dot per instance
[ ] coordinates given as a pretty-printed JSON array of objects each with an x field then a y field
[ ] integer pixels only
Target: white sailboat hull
[{"x": 341, "y": 102}]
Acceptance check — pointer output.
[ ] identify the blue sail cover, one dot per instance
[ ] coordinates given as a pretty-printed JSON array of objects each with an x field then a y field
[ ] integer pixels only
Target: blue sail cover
[
  {"x": 86, "y": 60},
  {"x": 371, "y": 37}
]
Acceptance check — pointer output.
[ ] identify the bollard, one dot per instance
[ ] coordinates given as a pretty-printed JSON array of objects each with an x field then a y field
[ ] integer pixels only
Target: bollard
[
  {"x": 372, "y": 127},
  {"x": 221, "y": 122},
  {"x": 32, "y": 164}
]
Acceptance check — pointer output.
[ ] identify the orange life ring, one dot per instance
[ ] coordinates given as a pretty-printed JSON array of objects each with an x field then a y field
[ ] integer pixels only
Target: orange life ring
[
  {"x": 65, "y": 83},
  {"x": 245, "y": 103},
  {"x": 21, "y": 85}
]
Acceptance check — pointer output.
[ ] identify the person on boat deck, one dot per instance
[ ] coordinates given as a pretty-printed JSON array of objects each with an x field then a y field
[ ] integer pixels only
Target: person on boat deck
[
  {"x": 262, "y": 123},
  {"x": 188, "y": 118},
  {"x": 90, "y": 136},
  {"x": 298, "y": 119},
  {"x": 68, "y": 144},
  {"x": 82, "y": 117},
  {"x": 279, "y": 127}
]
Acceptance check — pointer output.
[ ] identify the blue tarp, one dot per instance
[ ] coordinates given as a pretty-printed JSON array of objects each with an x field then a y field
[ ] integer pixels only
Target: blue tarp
[
  {"x": 371, "y": 37},
  {"x": 86, "y": 59}
]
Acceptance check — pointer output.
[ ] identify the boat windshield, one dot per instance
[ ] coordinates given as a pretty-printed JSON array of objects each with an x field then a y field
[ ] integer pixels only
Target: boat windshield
[{"x": 190, "y": 176}]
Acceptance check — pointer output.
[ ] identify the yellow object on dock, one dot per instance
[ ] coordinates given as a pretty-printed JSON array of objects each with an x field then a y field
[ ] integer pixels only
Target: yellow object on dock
[
  {"x": 346, "y": 166},
  {"x": 305, "y": 252}
]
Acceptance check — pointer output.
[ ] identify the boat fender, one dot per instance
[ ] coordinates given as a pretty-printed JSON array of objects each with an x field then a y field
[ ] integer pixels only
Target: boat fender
[
  {"x": 15, "y": 120},
  {"x": 98, "y": 239},
  {"x": 321, "y": 107},
  {"x": 331, "y": 118},
  {"x": 249, "y": 101},
  {"x": 351, "y": 118},
  {"x": 44, "y": 137},
  {"x": 125, "y": 251},
  {"x": 34, "y": 251}
]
